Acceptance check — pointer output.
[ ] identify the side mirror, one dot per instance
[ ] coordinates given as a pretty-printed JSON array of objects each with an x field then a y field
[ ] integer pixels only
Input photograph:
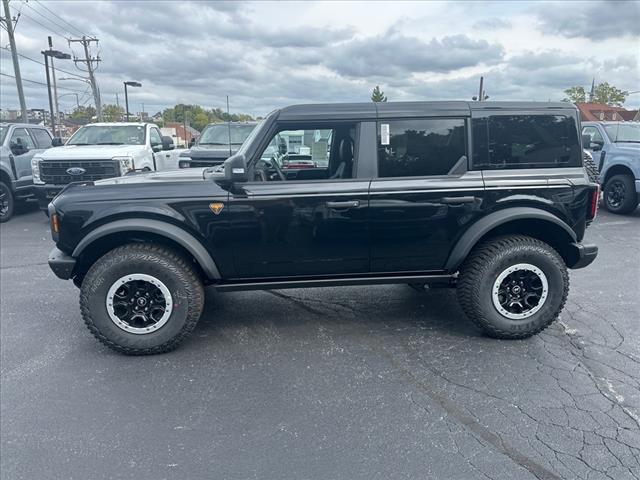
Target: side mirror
[
  {"x": 235, "y": 169},
  {"x": 595, "y": 146},
  {"x": 192, "y": 142},
  {"x": 56, "y": 142},
  {"x": 167, "y": 143},
  {"x": 18, "y": 148}
]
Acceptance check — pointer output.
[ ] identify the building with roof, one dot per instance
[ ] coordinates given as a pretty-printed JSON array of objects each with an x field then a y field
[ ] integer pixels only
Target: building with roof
[{"x": 593, "y": 112}]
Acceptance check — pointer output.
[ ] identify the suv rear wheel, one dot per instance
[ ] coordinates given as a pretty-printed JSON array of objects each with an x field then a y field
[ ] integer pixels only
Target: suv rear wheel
[
  {"x": 619, "y": 194},
  {"x": 141, "y": 299},
  {"x": 7, "y": 202},
  {"x": 513, "y": 286}
]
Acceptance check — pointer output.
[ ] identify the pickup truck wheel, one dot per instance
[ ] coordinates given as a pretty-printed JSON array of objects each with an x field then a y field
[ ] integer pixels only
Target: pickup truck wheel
[
  {"x": 141, "y": 299},
  {"x": 620, "y": 194},
  {"x": 513, "y": 287},
  {"x": 7, "y": 202}
]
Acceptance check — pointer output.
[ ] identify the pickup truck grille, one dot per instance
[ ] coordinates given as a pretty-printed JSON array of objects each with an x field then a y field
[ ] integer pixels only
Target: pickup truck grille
[{"x": 55, "y": 171}]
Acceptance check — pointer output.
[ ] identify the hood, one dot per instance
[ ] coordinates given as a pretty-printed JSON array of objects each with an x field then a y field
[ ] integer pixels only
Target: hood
[
  {"x": 182, "y": 175},
  {"x": 90, "y": 152},
  {"x": 630, "y": 148},
  {"x": 214, "y": 152}
]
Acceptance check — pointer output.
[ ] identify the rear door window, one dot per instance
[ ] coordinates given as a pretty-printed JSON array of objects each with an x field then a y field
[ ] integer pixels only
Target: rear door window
[
  {"x": 525, "y": 141},
  {"x": 42, "y": 137},
  {"x": 420, "y": 147}
]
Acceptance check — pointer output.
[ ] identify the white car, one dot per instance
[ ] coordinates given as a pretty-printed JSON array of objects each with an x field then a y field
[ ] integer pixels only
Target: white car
[{"x": 97, "y": 151}]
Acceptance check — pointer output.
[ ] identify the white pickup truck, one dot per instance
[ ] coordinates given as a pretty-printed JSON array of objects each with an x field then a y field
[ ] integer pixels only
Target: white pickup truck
[{"x": 101, "y": 150}]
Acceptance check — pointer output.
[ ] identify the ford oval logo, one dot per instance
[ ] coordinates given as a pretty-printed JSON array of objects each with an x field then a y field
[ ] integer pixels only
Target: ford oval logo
[{"x": 76, "y": 171}]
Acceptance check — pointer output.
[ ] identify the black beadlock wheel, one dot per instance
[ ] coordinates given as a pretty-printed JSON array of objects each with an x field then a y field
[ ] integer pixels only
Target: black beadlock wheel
[
  {"x": 7, "y": 202},
  {"x": 141, "y": 299},
  {"x": 619, "y": 194},
  {"x": 513, "y": 286}
]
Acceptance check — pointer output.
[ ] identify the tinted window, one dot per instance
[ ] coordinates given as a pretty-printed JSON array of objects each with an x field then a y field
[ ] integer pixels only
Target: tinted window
[
  {"x": 595, "y": 135},
  {"x": 20, "y": 136},
  {"x": 525, "y": 141},
  {"x": 42, "y": 137},
  {"x": 308, "y": 154},
  {"x": 109, "y": 135},
  {"x": 220, "y": 134},
  {"x": 421, "y": 147},
  {"x": 154, "y": 137}
]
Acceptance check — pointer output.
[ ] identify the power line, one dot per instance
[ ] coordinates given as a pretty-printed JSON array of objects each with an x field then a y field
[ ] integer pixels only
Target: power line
[
  {"x": 40, "y": 83},
  {"x": 58, "y": 16},
  {"x": 64, "y": 29},
  {"x": 43, "y": 26},
  {"x": 41, "y": 63}
]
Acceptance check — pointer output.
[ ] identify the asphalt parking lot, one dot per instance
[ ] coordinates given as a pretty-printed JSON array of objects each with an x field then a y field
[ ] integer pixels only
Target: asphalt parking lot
[{"x": 332, "y": 383}]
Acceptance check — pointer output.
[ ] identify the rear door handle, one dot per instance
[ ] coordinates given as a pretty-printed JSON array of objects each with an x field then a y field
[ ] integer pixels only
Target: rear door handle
[
  {"x": 350, "y": 204},
  {"x": 457, "y": 200}
]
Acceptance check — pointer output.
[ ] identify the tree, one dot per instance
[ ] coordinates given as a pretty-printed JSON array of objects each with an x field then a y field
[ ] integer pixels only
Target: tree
[
  {"x": 112, "y": 113},
  {"x": 575, "y": 95},
  {"x": 378, "y": 95},
  {"x": 83, "y": 114},
  {"x": 608, "y": 94},
  {"x": 602, "y": 93}
]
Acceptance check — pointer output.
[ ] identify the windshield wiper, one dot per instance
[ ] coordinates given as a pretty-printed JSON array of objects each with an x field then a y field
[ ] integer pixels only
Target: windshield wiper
[
  {"x": 628, "y": 141},
  {"x": 211, "y": 143},
  {"x": 109, "y": 143}
]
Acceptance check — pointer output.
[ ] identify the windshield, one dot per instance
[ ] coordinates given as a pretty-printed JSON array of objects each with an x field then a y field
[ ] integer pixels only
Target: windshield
[
  {"x": 219, "y": 134},
  {"x": 256, "y": 131},
  {"x": 3, "y": 132},
  {"x": 109, "y": 135},
  {"x": 623, "y": 133}
]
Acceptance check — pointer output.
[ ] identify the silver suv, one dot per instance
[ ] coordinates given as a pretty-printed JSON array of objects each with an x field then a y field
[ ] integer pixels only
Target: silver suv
[{"x": 19, "y": 142}]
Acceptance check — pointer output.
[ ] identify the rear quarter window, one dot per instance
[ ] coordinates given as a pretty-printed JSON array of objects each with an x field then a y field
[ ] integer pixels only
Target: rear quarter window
[{"x": 525, "y": 141}]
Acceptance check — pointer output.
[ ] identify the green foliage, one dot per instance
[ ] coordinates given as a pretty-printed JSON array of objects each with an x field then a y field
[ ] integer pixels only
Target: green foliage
[
  {"x": 83, "y": 114},
  {"x": 378, "y": 95},
  {"x": 112, "y": 113},
  {"x": 575, "y": 94},
  {"x": 602, "y": 93},
  {"x": 198, "y": 117},
  {"x": 605, "y": 93}
]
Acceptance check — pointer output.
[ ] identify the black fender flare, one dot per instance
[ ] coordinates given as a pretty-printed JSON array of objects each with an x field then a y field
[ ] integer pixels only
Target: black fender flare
[
  {"x": 164, "y": 229},
  {"x": 476, "y": 231}
]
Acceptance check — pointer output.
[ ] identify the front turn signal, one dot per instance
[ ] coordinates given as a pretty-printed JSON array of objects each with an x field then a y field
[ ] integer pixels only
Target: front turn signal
[{"x": 55, "y": 223}]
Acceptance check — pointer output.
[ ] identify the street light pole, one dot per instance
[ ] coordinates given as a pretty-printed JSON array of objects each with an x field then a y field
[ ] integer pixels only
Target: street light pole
[
  {"x": 46, "y": 67},
  {"x": 126, "y": 96}
]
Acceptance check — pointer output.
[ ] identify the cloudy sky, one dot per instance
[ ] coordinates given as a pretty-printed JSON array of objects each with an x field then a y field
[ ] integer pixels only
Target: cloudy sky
[{"x": 265, "y": 55}]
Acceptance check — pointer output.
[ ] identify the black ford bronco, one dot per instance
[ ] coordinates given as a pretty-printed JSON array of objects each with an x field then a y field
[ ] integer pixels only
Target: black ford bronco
[{"x": 490, "y": 198}]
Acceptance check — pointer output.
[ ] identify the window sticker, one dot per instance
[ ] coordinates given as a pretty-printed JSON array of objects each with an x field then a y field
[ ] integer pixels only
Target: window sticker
[{"x": 384, "y": 134}]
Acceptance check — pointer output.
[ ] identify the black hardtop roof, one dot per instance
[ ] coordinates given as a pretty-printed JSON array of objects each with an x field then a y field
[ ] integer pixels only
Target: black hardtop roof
[{"x": 372, "y": 110}]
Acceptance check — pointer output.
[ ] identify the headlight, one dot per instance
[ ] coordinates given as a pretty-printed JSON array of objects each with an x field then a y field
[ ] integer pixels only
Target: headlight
[
  {"x": 126, "y": 164},
  {"x": 35, "y": 170},
  {"x": 184, "y": 163}
]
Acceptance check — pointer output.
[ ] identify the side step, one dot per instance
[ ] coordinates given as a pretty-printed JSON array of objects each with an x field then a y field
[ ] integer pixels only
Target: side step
[{"x": 277, "y": 284}]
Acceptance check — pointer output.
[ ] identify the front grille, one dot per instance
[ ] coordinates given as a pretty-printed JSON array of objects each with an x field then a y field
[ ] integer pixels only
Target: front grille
[{"x": 55, "y": 171}]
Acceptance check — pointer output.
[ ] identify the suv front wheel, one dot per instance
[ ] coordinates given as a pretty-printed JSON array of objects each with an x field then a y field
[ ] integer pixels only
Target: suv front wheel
[
  {"x": 513, "y": 286},
  {"x": 619, "y": 194},
  {"x": 141, "y": 299}
]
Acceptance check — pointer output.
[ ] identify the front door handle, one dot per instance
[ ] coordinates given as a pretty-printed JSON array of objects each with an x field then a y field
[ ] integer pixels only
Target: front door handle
[
  {"x": 349, "y": 204},
  {"x": 457, "y": 200}
]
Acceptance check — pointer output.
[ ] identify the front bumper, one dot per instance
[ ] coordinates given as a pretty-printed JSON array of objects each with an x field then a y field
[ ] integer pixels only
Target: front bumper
[
  {"x": 582, "y": 255},
  {"x": 61, "y": 263},
  {"x": 46, "y": 193}
]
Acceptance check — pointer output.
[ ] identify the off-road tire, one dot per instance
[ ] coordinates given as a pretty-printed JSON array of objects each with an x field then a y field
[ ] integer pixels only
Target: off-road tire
[
  {"x": 483, "y": 266},
  {"x": 630, "y": 201},
  {"x": 591, "y": 167},
  {"x": 168, "y": 266},
  {"x": 5, "y": 191}
]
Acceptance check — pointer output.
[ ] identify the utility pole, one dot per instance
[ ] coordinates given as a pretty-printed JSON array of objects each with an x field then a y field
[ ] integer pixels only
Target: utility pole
[
  {"x": 89, "y": 61},
  {"x": 14, "y": 55},
  {"x": 55, "y": 86}
]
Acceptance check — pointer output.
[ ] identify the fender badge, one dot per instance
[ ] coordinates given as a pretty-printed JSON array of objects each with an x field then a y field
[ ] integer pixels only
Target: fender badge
[{"x": 216, "y": 207}]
